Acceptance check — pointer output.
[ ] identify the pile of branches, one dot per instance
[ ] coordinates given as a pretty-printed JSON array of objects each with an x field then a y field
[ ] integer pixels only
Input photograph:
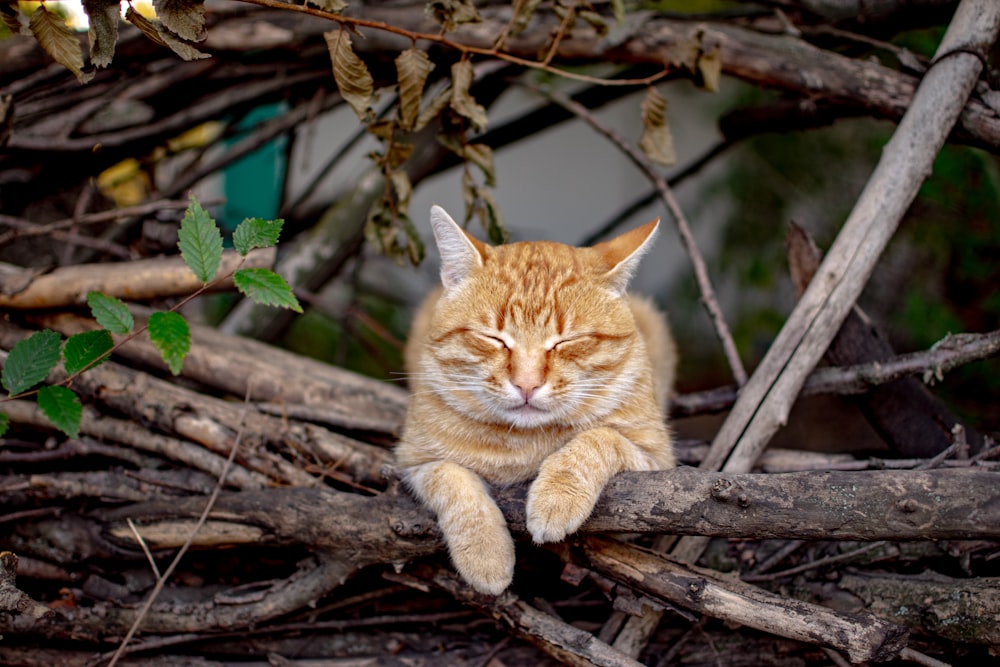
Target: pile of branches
[{"x": 250, "y": 511}]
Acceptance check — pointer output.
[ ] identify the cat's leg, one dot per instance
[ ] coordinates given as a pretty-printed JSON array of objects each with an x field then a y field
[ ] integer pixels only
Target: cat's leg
[
  {"x": 571, "y": 479},
  {"x": 478, "y": 539}
]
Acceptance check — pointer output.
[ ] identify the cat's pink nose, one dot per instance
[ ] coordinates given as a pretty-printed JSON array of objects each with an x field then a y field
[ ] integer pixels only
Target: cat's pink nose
[{"x": 527, "y": 391}]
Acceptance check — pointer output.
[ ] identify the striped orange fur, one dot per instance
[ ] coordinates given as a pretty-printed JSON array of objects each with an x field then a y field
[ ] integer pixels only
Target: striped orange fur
[{"x": 531, "y": 361}]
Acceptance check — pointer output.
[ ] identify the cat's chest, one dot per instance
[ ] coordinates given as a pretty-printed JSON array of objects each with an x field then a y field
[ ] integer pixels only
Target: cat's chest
[{"x": 503, "y": 456}]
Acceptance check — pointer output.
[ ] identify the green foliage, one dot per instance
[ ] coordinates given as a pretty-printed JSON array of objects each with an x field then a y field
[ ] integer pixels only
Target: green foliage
[
  {"x": 256, "y": 233},
  {"x": 266, "y": 287},
  {"x": 171, "y": 336},
  {"x": 62, "y": 407},
  {"x": 30, "y": 361},
  {"x": 110, "y": 313},
  {"x": 200, "y": 242},
  {"x": 87, "y": 350}
]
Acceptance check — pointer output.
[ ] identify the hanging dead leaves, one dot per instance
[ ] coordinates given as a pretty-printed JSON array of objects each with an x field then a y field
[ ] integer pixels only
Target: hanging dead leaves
[
  {"x": 394, "y": 112},
  {"x": 180, "y": 24}
]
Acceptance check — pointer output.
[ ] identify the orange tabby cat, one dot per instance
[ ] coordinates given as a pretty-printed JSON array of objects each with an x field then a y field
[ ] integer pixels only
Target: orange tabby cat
[{"x": 531, "y": 360}]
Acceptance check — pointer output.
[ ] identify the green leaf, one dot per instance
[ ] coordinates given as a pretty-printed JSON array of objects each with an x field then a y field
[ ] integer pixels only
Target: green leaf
[
  {"x": 104, "y": 16},
  {"x": 87, "y": 349},
  {"x": 266, "y": 287},
  {"x": 656, "y": 142},
  {"x": 4, "y": 423},
  {"x": 256, "y": 233},
  {"x": 62, "y": 407},
  {"x": 172, "y": 337},
  {"x": 185, "y": 18},
  {"x": 350, "y": 72},
  {"x": 58, "y": 41},
  {"x": 462, "y": 74},
  {"x": 412, "y": 68},
  {"x": 30, "y": 361},
  {"x": 200, "y": 242},
  {"x": 110, "y": 313}
]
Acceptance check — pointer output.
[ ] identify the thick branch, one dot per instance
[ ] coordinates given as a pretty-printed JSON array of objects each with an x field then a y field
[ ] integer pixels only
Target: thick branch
[
  {"x": 139, "y": 280},
  {"x": 862, "y": 636},
  {"x": 765, "y": 401}
]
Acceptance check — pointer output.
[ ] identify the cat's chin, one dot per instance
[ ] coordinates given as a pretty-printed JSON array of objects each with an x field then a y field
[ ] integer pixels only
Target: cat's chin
[{"x": 528, "y": 416}]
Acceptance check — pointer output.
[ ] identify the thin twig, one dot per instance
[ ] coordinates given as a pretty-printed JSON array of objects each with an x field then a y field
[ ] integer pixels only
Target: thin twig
[
  {"x": 805, "y": 567},
  {"x": 687, "y": 238},
  {"x": 145, "y": 547},
  {"x": 952, "y": 351},
  {"x": 912, "y": 655},
  {"x": 439, "y": 38},
  {"x": 28, "y": 228},
  {"x": 162, "y": 581}
]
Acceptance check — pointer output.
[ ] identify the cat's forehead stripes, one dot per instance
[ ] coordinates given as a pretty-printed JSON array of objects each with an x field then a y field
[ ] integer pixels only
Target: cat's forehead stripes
[{"x": 537, "y": 281}]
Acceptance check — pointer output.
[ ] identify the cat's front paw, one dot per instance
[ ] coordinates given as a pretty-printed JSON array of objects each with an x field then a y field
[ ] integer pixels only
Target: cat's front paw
[
  {"x": 482, "y": 550},
  {"x": 557, "y": 506}
]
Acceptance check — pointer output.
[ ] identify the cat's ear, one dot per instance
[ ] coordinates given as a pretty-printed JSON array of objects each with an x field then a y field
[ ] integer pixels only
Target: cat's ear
[
  {"x": 461, "y": 254},
  {"x": 622, "y": 253}
]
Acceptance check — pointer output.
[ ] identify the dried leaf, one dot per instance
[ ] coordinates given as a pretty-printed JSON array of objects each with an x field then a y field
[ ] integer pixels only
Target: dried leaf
[
  {"x": 618, "y": 7},
  {"x": 481, "y": 155},
  {"x": 6, "y": 118},
  {"x": 656, "y": 142},
  {"x": 350, "y": 72},
  {"x": 147, "y": 27},
  {"x": 412, "y": 68},
  {"x": 525, "y": 12},
  {"x": 59, "y": 42},
  {"x": 438, "y": 103},
  {"x": 469, "y": 194},
  {"x": 401, "y": 185},
  {"x": 155, "y": 31},
  {"x": 383, "y": 129},
  {"x": 104, "y": 16},
  {"x": 488, "y": 212},
  {"x": 184, "y": 18},
  {"x": 397, "y": 154},
  {"x": 595, "y": 20},
  {"x": 710, "y": 69},
  {"x": 462, "y": 102},
  {"x": 11, "y": 15},
  {"x": 332, "y": 6},
  {"x": 453, "y": 13}
]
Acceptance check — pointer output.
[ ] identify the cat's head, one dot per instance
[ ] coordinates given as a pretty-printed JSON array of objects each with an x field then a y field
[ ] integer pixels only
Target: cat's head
[{"x": 534, "y": 334}]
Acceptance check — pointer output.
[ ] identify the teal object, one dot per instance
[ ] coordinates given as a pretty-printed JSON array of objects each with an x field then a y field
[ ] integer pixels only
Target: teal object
[{"x": 253, "y": 184}]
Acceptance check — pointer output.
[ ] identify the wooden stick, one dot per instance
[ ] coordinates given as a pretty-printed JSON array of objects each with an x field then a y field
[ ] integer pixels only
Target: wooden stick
[
  {"x": 862, "y": 636},
  {"x": 142, "y": 279}
]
